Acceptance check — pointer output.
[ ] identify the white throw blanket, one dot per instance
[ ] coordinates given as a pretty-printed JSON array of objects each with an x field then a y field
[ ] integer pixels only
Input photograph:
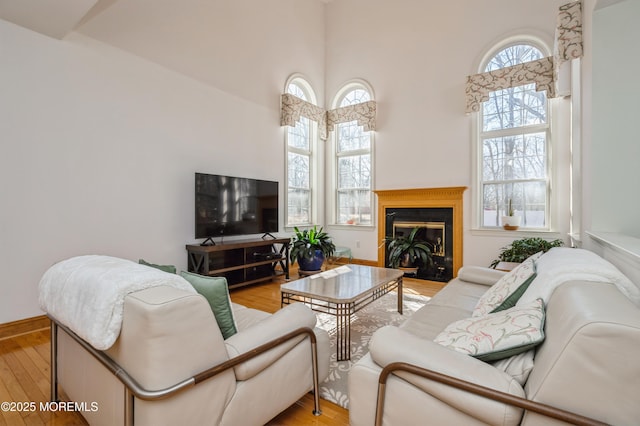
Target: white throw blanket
[
  {"x": 562, "y": 264},
  {"x": 86, "y": 293}
]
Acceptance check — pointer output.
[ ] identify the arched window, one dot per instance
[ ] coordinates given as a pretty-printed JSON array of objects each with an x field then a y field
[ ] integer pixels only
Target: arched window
[
  {"x": 300, "y": 160},
  {"x": 514, "y": 147},
  {"x": 353, "y": 162}
]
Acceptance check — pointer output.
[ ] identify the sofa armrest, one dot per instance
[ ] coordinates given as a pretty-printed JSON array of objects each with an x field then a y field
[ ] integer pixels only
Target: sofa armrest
[
  {"x": 392, "y": 345},
  {"x": 285, "y": 320},
  {"x": 480, "y": 275}
]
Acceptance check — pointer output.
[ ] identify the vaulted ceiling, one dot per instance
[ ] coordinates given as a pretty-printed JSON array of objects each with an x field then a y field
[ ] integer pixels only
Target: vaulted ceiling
[{"x": 55, "y": 18}]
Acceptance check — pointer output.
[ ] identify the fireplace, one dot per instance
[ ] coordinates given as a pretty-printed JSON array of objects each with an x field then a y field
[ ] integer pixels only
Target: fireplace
[
  {"x": 431, "y": 232},
  {"x": 437, "y": 213}
]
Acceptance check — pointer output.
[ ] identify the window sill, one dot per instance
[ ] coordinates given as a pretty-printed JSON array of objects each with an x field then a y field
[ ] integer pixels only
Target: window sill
[
  {"x": 354, "y": 226},
  {"x": 620, "y": 249},
  {"x": 289, "y": 228},
  {"x": 520, "y": 233},
  {"x": 625, "y": 245}
]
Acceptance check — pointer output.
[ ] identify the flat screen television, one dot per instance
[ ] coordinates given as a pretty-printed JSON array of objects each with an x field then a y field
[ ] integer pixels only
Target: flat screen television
[{"x": 228, "y": 205}]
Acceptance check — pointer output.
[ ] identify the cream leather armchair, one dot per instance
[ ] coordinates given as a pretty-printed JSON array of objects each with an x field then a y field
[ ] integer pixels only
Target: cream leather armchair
[{"x": 170, "y": 364}]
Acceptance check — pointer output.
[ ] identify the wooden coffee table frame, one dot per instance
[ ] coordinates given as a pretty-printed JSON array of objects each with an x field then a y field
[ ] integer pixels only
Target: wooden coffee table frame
[{"x": 343, "y": 309}]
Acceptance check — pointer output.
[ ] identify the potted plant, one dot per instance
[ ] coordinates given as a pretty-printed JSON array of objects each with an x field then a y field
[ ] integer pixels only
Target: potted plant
[
  {"x": 511, "y": 222},
  {"x": 310, "y": 248},
  {"x": 519, "y": 250},
  {"x": 409, "y": 253}
]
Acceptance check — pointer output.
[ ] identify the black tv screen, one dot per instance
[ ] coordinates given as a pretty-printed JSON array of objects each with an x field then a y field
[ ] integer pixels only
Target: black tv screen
[{"x": 227, "y": 205}]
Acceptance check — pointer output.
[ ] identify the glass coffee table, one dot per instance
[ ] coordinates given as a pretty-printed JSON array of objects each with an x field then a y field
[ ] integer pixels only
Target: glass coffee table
[{"x": 342, "y": 292}]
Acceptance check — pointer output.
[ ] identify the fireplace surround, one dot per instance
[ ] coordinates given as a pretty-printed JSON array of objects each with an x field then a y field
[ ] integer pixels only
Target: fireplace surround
[{"x": 438, "y": 212}]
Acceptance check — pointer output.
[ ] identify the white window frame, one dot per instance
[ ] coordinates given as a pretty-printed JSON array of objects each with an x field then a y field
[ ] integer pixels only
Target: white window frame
[
  {"x": 333, "y": 154},
  {"x": 477, "y": 194},
  {"x": 301, "y": 82}
]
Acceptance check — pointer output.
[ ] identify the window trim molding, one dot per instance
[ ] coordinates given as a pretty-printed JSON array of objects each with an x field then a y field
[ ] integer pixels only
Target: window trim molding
[
  {"x": 476, "y": 193},
  {"x": 301, "y": 81},
  {"x": 349, "y": 86},
  {"x": 332, "y": 202}
]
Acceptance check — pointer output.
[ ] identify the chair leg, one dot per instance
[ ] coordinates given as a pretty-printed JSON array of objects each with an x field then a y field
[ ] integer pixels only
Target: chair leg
[
  {"x": 128, "y": 407},
  {"x": 316, "y": 385},
  {"x": 54, "y": 362}
]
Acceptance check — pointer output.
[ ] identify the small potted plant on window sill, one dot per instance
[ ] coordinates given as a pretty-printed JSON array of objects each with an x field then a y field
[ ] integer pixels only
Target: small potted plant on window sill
[{"x": 511, "y": 222}]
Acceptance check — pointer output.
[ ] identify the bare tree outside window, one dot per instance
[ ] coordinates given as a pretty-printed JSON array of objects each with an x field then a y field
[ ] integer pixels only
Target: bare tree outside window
[
  {"x": 353, "y": 151},
  {"x": 514, "y": 147},
  {"x": 299, "y": 162}
]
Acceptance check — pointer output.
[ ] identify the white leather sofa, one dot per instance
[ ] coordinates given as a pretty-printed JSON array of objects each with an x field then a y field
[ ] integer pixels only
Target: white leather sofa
[
  {"x": 169, "y": 342},
  {"x": 587, "y": 364}
]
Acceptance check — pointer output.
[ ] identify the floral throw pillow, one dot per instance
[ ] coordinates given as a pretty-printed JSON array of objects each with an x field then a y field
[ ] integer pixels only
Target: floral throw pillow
[
  {"x": 507, "y": 290},
  {"x": 498, "y": 335}
]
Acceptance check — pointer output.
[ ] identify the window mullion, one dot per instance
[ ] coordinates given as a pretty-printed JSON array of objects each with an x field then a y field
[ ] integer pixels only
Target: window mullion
[
  {"x": 353, "y": 163},
  {"x": 299, "y": 151},
  {"x": 300, "y": 142},
  {"x": 509, "y": 181},
  {"x": 353, "y": 153},
  {"x": 515, "y": 131},
  {"x": 513, "y": 147}
]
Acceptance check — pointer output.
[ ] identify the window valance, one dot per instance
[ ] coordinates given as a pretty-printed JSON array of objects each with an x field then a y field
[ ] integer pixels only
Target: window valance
[
  {"x": 364, "y": 113},
  {"x": 568, "y": 41},
  {"x": 292, "y": 108},
  {"x": 539, "y": 72},
  {"x": 543, "y": 72}
]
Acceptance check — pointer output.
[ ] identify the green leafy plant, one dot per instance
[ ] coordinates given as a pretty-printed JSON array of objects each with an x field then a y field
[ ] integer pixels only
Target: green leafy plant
[
  {"x": 519, "y": 250},
  {"x": 510, "y": 210},
  {"x": 411, "y": 247},
  {"x": 305, "y": 243}
]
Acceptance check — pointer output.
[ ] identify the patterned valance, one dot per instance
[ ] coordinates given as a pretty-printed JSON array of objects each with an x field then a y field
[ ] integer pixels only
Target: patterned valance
[
  {"x": 568, "y": 43},
  {"x": 479, "y": 86},
  {"x": 292, "y": 108},
  {"x": 364, "y": 113},
  {"x": 543, "y": 72}
]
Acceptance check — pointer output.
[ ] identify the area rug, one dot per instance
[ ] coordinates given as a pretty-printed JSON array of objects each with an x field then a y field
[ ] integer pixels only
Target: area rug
[{"x": 379, "y": 313}]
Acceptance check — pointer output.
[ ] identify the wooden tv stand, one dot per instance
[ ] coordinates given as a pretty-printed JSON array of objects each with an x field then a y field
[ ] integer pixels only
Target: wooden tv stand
[{"x": 241, "y": 262}]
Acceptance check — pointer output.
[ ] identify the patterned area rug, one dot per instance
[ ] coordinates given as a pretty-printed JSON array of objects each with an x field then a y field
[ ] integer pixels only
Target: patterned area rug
[{"x": 383, "y": 311}]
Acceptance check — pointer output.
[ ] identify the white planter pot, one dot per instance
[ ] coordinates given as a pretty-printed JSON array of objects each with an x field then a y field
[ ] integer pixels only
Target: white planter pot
[{"x": 511, "y": 223}]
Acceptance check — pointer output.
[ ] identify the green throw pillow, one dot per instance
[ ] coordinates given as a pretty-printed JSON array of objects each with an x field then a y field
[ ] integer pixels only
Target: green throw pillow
[
  {"x": 166, "y": 268},
  {"x": 215, "y": 290}
]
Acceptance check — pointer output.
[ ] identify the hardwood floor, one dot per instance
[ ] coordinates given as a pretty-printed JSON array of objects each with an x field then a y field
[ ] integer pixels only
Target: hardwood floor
[
  {"x": 24, "y": 379},
  {"x": 24, "y": 366}
]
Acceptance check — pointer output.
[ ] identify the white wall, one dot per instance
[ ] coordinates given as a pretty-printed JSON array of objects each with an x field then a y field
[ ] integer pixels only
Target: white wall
[
  {"x": 417, "y": 55},
  {"x": 615, "y": 146},
  {"x": 610, "y": 148},
  {"x": 99, "y": 145}
]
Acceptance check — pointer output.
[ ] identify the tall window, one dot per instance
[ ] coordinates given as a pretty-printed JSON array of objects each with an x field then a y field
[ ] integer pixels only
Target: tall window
[
  {"x": 353, "y": 163},
  {"x": 300, "y": 143},
  {"x": 514, "y": 147}
]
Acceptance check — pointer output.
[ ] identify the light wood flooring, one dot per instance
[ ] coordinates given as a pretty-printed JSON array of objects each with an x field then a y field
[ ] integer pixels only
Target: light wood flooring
[{"x": 24, "y": 365}]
